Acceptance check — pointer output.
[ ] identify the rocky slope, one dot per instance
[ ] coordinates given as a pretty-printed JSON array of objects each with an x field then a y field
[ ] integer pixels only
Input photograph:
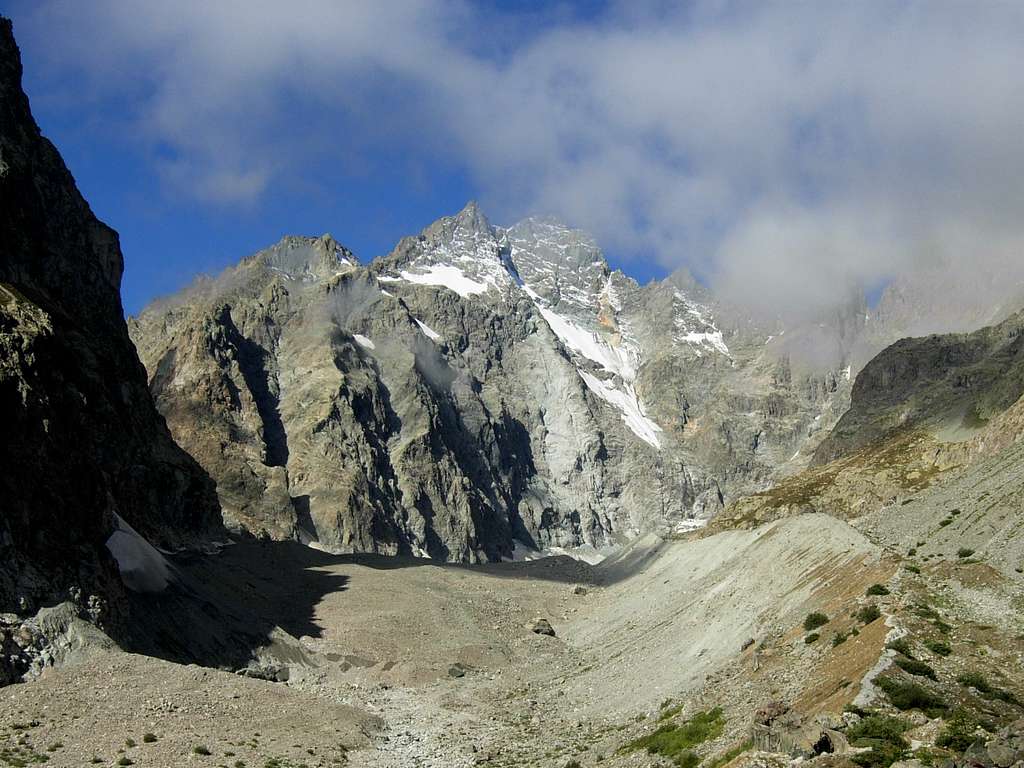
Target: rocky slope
[
  {"x": 87, "y": 460},
  {"x": 928, "y": 455},
  {"x": 476, "y": 390}
]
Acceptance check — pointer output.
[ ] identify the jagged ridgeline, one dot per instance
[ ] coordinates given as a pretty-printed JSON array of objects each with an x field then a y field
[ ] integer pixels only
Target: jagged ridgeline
[
  {"x": 477, "y": 389},
  {"x": 84, "y": 452}
]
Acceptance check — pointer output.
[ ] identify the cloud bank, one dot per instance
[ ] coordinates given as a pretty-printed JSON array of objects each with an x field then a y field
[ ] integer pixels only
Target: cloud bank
[{"x": 780, "y": 150}]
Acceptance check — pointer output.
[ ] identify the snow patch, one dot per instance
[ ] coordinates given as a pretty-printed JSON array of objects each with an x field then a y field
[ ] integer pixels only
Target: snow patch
[
  {"x": 444, "y": 275},
  {"x": 618, "y": 360},
  {"x": 427, "y": 330},
  {"x": 364, "y": 342},
  {"x": 629, "y": 406},
  {"x": 142, "y": 567}
]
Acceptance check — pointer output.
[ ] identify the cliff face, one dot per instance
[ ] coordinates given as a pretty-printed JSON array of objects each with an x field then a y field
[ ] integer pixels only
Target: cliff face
[{"x": 81, "y": 442}]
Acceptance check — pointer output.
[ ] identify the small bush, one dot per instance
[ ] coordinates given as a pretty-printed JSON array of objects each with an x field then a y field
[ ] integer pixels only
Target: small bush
[
  {"x": 148, "y": 738},
  {"x": 868, "y": 614},
  {"x": 958, "y": 732},
  {"x": 900, "y": 645},
  {"x": 812, "y": 638},
  {"x": 124, "y": 761},
  {"x": 912, "y": 569},
  {"x": 944, "y": 523},
  {"x": 877, "y": 589},
  {"x": 964, "y": 552},
  {"x": 975, "y": 680},
  {"x": 815, "y": 620},
  {"x": 201, "y": 750},
  {"x": 918, "y": 668},
  {"x": 884, "y": 735},
  {"x": 905, "y": 696},
  {"x": 129, "y": 742},
  {"x": 938, "y": 647},
  {"x": 838, "y": 639}
]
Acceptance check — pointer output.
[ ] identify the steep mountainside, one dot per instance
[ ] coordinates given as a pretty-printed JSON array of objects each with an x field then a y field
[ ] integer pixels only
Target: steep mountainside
[
  {"x": 85, "y": 455},
  {"x": 928, "y": 455},
  {"x": 475, "y": 389}
]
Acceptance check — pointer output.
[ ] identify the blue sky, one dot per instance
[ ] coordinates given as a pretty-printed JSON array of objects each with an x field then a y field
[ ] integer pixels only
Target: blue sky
[
  {"x": 168, "y": 237},
  {"x": 781, "y": 151}
]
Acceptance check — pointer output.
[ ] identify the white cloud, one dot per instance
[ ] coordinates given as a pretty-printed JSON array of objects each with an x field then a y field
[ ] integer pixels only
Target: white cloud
[{"x": 759, "y": 143}]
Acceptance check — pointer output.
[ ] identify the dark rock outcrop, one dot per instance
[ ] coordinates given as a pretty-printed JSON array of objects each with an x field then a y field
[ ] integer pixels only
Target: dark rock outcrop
[{"x": 81, "y": 442}]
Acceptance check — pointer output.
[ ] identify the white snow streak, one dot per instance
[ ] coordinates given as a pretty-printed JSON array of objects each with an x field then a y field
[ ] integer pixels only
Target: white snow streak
[
  {"x": 430, "y": 332},
  {"x": 364, "y": 342},
  {"x": 629, "y": 405}
]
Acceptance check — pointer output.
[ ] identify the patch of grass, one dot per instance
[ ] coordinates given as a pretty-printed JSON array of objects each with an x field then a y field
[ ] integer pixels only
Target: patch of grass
[
  {"x": 669, "y": 710},
  {"x": 884, "y": 735},
  {"x": 199, "y": 749},
  {"x": 732, "y": 754},
  {"x": 964, "y": 552},
  {"x": 938, "y": 647},
  {"x": 915, "y": 667},
  {"x": 676, "y": 741},
  {"x": 877, "y": 589},
  {"x": 815, "y": 620},
  {"x": 958, "y": 732},
  {"x": 868, "y": 614},
  {"x": 812, "y": 638},
  {"x": 907, "y": 695},
  {"x": 148, "y": 738}
]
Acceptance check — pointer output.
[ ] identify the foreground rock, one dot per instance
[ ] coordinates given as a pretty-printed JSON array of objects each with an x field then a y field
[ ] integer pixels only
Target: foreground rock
[{"x": 83, "y": 449}]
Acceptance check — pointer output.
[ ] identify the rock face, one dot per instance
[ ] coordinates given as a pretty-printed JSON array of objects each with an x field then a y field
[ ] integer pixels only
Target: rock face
[
  {"x": 930, "y": 455},
  {"x": 81, "y": 442},
  {"x": 477, "y": 389},
  {"x": 953, "y": 385}
]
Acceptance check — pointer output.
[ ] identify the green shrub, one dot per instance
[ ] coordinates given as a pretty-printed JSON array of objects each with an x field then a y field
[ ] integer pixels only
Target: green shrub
[
  {"x": 815, "y": 620},
  {"x": 148, "y": 738},
  {"x": 938, "y": 647},
  {"x": 975, "y": 680},
  {"x": 884, "y": 735},
  {"x": 201, "y": 750},
  {"x": 868, "y": 614},
  {"x": 124, "y": 761},
  {"x": 964, "y": 552},
  {"x": 915, "y": 667},
  {"x": 912, "y": 569},
  {"x": 958, "y": 732},
  {"x": 129, "y": 742},
  {"x": 676, "y": 741},
  {"x": 944, "y": 523},
  {"x": 838, "y": 639},
  {"x": 812, "y": 638},
  {"x": 877, "y": 589},
  {"x": 900, "y": 645},
  {"x": 909, "y": 695}
]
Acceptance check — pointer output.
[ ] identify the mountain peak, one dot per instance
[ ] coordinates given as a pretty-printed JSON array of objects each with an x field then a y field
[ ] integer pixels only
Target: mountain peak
[{"x": 306, "y": 258}]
